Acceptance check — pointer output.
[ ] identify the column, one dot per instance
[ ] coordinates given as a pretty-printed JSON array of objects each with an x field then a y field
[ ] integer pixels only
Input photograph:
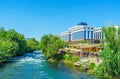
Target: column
[{"x": 86, "y": 34}]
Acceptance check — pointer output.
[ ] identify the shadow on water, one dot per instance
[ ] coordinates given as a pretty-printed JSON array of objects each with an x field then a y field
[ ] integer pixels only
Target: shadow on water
[{"x": 34, "y": 66}]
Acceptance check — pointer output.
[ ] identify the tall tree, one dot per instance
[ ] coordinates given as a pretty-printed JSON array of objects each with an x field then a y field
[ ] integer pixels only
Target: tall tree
[
  {"x": 111, "y": 52},
  {"x": 18, "y": 38},
  {"x": 50, "y": 45}
]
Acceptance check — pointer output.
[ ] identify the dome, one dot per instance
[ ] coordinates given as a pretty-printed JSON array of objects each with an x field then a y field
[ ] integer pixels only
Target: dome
[{"x": 82, "y": 23}]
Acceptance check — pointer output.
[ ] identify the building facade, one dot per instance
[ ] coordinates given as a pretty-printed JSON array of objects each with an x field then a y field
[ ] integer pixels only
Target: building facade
[
  {"x": 98, "y": 34},
  {"x": 66, "y": 36},
  {"x": 79, "y": 32},
  {"x": 83, "y": 32}
]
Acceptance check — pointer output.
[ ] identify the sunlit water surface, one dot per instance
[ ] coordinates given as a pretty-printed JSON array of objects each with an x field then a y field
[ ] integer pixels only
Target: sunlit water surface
[{"x": 34, "y": 66}]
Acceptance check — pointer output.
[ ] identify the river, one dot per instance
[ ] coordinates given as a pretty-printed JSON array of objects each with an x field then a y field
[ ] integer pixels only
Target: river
[{"x": 34, "y": 66}]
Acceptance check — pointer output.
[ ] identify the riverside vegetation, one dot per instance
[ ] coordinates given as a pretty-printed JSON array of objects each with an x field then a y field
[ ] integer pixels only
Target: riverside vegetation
[
  {"x": 110, "y": 54},
  {"x": 14, "y": 44},
  {"x": 50, "y": 45}
]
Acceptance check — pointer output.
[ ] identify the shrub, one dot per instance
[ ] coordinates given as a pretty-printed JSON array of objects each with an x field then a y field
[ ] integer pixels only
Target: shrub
[{"x": 91, "y": 66}]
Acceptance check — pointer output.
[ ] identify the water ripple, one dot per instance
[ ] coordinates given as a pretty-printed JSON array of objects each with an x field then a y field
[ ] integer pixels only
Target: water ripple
[{"x": 34, "y": 66}]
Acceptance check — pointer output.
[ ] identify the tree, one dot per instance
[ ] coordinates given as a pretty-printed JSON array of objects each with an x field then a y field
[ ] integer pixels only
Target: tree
[
  {"x": 18, "y": 38},
  {"x": 50, "y": 45},
  {"x": 32, "y": 44},
  {"x": 8, "y": 48},
  {"x": 110, "y": 53},
  {"x": 13, "y": 43},
  {"x": 2, "y": 33}
]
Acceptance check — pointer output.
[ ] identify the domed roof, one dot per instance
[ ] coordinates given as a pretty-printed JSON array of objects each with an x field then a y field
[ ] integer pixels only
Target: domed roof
[{"x": 82, "y": 23}]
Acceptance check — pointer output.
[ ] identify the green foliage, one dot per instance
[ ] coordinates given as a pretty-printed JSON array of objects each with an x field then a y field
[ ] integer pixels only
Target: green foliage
[
  {"x": 8, "y": 47},
  {"x": 75, "y": 58},
  {"x": 4, "y": 56},
  {"x": 111, "y": 53},
  {"x": 70, "y": 58},
  {"x": 92, "y": 66},
  {"x": 18, "y": 38},
  {"x": 2, "y": 33},
  {"x": 50, "y": 45},
  {"x": 101, "y": 45},
  {"x": 32, "y": 44},
  {"x": 99, "y": 70},
  {"x": 85, "y": 41},
  {"x": 13, "y": 43}
]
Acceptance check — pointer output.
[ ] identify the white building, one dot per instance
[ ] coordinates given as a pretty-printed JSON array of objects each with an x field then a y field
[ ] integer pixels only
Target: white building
[
  {"x": 79, "y": 32},
  {"x": 66, "y": 36},
  {"x": 98, "y": 34},
  {"x": 83, "y": 32}
]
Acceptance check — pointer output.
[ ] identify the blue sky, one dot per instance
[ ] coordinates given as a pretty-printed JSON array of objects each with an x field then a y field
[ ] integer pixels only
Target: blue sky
[{"x": 34, "y": 18}]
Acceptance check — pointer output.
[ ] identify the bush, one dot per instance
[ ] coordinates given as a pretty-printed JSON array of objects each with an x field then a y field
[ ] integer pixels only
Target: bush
[
  {"x": 91, "y": 66},
  {"x": 70, "y": 58},
  {"x": 99, "y": 70}
]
